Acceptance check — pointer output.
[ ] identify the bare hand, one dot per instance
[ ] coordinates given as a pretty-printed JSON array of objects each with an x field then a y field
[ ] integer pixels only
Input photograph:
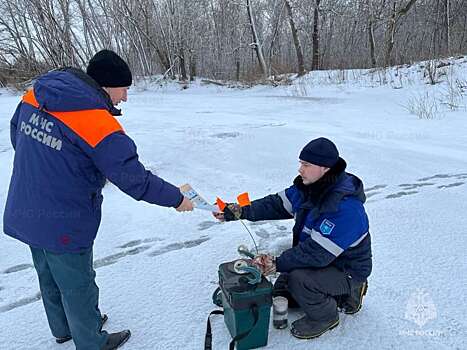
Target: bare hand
[
  {"x": 186, "y": 205},
  {"x": 265, "y": 263}
]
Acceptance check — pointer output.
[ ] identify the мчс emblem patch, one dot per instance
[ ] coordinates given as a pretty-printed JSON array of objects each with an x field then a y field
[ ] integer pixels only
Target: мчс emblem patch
[{"x": 326, "y": 227}]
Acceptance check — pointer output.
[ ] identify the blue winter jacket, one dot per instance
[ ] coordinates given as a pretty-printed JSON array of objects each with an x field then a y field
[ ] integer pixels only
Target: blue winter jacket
[
  {"x": 330, "y": 230},
  {"x": 67, "y": 143}
]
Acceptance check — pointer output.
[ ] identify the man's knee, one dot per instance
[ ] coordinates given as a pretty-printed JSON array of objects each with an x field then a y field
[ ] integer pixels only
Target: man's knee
[
  {"x": 310, "y": 280},
  {"x": 297, "y": 279}
]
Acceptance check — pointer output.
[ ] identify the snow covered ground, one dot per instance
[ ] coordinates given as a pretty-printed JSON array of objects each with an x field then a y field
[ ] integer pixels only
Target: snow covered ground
[{"x": 157, "y": 268}]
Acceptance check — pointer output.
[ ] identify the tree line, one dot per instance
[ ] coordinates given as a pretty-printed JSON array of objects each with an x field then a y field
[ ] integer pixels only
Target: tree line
[{"x": 227, "y": 39}]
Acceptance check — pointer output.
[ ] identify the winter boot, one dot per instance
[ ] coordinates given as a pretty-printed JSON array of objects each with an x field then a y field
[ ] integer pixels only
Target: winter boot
[
  {"x": 352, "y": 303},
  {"x": 304, "y": 328},
  {"x": 61, "y": 340},
  {"x": 116, "y": 340}
]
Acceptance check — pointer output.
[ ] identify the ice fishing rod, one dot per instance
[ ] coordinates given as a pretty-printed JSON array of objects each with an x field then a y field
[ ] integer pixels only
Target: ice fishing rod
[
  {"x": 243, "y": 200},
  {"x": 254, "y": 242}
]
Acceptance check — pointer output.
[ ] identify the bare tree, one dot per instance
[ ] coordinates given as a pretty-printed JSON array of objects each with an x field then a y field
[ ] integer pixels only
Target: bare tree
[
  {"x": 227, "y": 39},
  {"x": 315, "y": 60},
  {"x": 256, "y": 44},
  {"x": 296, "y": 39},
  {"x": 447, "y": 6},
  {"x": 396, "y": 15}
]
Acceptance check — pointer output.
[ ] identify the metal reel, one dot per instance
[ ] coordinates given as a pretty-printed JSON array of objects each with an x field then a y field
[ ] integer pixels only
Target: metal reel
[{"x": 239, "y": 267}]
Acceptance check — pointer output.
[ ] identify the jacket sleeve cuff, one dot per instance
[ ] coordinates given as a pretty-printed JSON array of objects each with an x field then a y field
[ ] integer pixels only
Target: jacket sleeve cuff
[
  {"x": 281, "y": 266},
  {"x": 180, "y": 201}
]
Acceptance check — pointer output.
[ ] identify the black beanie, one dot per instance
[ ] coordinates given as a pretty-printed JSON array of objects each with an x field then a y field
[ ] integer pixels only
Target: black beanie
[
  {"x": 320, "y": 151},
  {"x": 109, "y": 70}
]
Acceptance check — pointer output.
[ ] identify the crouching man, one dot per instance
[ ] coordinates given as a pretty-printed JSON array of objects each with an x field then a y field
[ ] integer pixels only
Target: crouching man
[{"x": 330, "y": 260}]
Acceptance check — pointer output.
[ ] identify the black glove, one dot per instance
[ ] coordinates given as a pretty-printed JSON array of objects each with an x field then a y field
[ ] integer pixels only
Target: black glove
[{"x": 232, "y": 211}]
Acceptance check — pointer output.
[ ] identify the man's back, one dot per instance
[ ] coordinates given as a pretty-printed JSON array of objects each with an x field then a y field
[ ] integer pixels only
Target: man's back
[
  {"x": 54, "y": 198},
  {"x": 67, "y": 142}
]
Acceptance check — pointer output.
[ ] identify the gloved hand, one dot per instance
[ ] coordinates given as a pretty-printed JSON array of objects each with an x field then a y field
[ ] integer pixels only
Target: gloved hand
[
  {"x": 232, "y": 212},
  {"x": 266, "y": 263}
]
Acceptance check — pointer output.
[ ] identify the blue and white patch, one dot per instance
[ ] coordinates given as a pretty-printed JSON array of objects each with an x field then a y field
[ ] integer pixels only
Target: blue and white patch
[{"x": 326, "y": 227}]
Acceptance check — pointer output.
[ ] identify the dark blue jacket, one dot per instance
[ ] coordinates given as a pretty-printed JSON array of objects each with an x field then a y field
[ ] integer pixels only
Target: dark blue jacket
[
  {"x": 330, "y": 229},
  {"x": 67, "y": 143}
]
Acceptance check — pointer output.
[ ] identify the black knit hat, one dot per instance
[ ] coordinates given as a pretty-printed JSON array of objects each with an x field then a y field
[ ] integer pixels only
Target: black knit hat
[
  {"x": 320, "y": 151},
  {"x": 109, "y": 70}
]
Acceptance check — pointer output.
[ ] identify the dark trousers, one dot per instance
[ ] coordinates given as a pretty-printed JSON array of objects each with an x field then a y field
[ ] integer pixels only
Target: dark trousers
[
  {"x": 70, "y": 296},
  {"x": 316, "y": 290}
]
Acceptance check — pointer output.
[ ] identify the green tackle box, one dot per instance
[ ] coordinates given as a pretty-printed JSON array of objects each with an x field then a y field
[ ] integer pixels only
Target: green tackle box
[{"x": 247, "y": 307}]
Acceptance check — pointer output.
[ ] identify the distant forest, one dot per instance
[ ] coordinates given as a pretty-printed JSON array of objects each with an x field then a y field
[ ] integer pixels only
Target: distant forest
[{"x": 227, "y": 39}]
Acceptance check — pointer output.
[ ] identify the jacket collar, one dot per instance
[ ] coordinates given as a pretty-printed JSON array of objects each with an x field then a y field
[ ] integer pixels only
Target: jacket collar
[
  {"x": 91, "y": 82},
  {"x": 325, "y": 194}
]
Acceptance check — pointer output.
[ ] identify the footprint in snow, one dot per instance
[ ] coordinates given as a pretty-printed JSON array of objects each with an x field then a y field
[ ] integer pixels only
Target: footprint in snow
[
  {"x": 258, "y": 223},
  {"x": 410, "y": 188},
  {"x": 21, "y": 302},
  {"x": 179, "y": 245},
  {"x": 207, "y": 224},
  {"x": 376, "y": 187},
  {"x": 131, "y": 244},
  {"x": 417, "y": 185},
  {"x": 455, "y": 184},
  {"x": 137, "y": 242},
  {"x": 114, "y": 258},
  {"x": 18, "y": 268},
  {"x": 400, "y": 194},
  {"x": 262, "y": 233},
  {"x": 226, "y": 135},
  {"x": 108, "y": 260},
  {"x": 443, "y": 176}
]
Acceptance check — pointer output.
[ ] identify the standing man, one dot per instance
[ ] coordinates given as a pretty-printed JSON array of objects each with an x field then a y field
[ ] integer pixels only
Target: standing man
[
  {"x": 67, "y": 142},
  {"x": 330, "y": 260}
]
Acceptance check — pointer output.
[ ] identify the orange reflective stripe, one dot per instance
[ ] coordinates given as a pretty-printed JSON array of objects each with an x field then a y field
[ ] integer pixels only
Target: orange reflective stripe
[
  {"x": 92, "y": 125},
  {"x": 29, "y": 98}
]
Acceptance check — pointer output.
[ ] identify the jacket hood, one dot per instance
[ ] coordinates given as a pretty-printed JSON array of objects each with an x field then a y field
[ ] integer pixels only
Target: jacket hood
[
  {"x": 70, "y": 89},
  {"x": 350, "y": 185}
]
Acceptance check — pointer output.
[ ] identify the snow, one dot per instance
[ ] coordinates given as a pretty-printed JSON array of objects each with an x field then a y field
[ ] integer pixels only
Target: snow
[{"x": 157, "y": 268}]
